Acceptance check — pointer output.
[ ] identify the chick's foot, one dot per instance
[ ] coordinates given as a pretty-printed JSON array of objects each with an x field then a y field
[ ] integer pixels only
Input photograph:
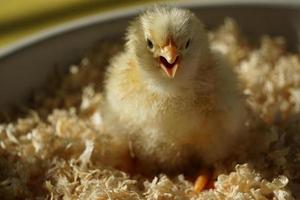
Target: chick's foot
[{"x": 204, "y": 181}]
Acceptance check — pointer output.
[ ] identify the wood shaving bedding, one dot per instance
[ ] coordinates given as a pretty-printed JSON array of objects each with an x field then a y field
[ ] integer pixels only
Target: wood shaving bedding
[{"x": 60, "y": 150}]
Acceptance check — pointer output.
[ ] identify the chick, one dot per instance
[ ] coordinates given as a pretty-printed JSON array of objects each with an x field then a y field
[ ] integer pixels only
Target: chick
[{"x": 174, "y": 99}]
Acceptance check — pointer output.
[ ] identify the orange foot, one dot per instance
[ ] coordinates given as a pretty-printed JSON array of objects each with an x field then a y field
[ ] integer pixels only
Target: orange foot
[{"x": 204, "y": 181}]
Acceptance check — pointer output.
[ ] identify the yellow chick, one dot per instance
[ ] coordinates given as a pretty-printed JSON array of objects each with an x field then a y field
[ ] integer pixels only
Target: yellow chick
[{"x": 174, "y": 99}]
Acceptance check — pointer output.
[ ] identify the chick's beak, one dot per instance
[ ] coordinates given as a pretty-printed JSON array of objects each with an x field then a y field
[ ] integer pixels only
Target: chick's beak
[{"x": 169, "y": 60}]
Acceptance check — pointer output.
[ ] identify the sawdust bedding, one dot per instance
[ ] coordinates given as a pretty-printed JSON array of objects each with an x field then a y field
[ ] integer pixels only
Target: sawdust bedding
[{"x": 58, "y": 149}]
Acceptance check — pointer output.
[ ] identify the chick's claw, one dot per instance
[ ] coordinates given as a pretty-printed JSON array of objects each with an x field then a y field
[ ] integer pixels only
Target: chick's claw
[{"x": 204, "y": 181}]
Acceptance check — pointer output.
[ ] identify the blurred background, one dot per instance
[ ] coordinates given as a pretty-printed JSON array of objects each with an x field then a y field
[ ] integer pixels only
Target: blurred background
[{"x": 22, "y": 18}]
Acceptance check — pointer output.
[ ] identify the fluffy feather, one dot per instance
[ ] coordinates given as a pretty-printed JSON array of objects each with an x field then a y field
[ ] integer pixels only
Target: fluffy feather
[{"x": 171, "y": 122}]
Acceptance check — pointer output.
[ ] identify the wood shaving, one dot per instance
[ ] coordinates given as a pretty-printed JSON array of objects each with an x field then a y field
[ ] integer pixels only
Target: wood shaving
[{"x": 59, "y": 149}]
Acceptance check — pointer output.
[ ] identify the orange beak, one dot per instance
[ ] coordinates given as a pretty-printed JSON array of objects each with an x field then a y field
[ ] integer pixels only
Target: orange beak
[{"x": 169, "y": 60}]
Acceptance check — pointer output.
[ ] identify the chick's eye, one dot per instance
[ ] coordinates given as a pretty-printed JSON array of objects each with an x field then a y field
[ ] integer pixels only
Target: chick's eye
[
  {"x": 149, "y": 44},
  {"x": 187, "y": 44}
]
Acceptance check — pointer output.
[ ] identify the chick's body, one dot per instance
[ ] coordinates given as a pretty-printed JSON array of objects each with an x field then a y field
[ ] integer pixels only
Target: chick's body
[{"x": 172, "y": 120}]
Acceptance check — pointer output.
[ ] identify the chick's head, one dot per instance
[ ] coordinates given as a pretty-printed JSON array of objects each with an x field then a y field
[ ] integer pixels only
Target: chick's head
[{"x": 170, "y": 45}]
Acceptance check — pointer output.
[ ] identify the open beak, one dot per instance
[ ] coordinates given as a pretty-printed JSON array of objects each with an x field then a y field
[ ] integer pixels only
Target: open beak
[{"x": 169, "y": 60}]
